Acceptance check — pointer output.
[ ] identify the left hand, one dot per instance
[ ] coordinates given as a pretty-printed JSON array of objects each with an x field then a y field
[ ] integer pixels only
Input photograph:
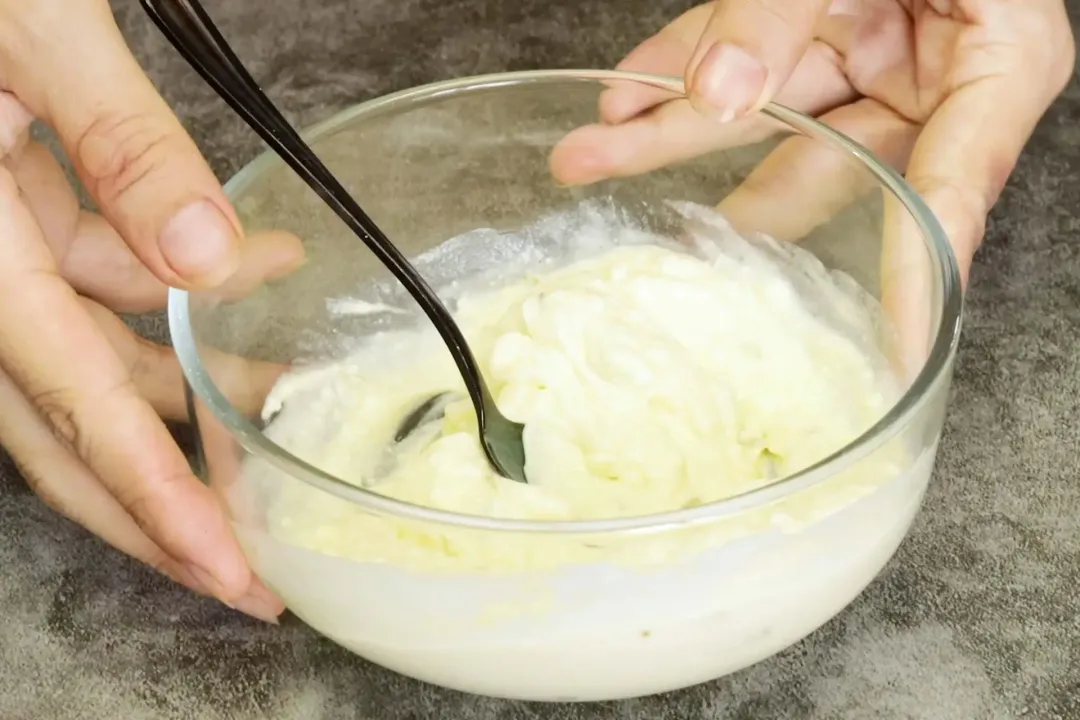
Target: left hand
[
  {"x": 80, "y": 396},
  {"x": 93, "y": 275}
]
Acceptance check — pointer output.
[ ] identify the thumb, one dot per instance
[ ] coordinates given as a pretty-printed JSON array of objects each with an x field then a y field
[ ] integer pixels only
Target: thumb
[
  {"x": 132, "y": 154},
  {"x": 960, "y": 167},
  {"x": 747, "y": 52}
]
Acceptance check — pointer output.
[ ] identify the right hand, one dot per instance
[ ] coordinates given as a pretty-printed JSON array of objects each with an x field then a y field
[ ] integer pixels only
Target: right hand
[
  {"x": 80, "y": 394},
  {"x": 947, "y": 91}
]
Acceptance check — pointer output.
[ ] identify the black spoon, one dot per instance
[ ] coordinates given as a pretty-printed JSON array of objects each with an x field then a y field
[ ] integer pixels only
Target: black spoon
[{"x": 191, "y": 31}]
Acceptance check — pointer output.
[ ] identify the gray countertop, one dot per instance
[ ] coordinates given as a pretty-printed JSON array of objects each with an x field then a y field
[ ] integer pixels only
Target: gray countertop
[{"x": 976, "y": 617}]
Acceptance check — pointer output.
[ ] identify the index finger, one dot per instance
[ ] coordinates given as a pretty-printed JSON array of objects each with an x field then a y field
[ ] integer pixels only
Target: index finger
[{"x": 53, "y": 350}]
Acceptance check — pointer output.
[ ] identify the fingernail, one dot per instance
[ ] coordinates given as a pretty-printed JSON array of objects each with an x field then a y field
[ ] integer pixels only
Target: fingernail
[
  {"x": 199, "y": 244},
  {"x": 260, "y": 603},
  {"x": 728, "y": 82}
]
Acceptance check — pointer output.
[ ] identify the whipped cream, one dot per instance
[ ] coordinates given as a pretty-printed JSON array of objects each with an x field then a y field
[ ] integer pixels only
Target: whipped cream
[{"x": 650, "y": 376}]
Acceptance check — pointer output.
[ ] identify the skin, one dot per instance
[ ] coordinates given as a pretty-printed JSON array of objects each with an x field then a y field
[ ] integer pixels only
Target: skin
[
  {"x": 81, "y": 397},
  {"x": 947, "y": 91}
]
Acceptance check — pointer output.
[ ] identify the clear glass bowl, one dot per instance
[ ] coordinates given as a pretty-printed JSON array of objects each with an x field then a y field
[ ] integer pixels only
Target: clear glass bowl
[{"x": 569, "y": 611}]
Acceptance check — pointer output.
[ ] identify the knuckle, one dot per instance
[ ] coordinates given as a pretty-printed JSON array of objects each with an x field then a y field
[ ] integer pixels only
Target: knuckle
[
  {"x": 57, "y": 411},
  {"x": 961, "y": 209},
  {"x": 67, "y": 411},
  {"x": 142, "y": 358},
  {"x": 141, "y": 500},
  {"x": 145, "y": 359},
  {"x": 118, "y": 151},
  {"x": 962, "y": 196}
]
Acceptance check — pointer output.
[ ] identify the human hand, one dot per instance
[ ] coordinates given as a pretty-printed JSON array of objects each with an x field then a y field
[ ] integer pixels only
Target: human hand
[
  {"x": 80, "y": 394},
  {"x": 947, "y": 91}
]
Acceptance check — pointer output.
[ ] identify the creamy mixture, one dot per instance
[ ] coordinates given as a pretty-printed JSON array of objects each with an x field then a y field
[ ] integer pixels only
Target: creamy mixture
[{"x": 650, "y": 376}]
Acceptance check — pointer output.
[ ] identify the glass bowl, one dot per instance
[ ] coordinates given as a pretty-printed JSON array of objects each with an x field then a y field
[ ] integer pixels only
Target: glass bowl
[{"x": 581, "y": 610}]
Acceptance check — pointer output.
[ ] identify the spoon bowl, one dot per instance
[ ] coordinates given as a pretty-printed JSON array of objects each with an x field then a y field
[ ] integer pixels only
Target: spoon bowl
[{"x": 425, "y": 413}]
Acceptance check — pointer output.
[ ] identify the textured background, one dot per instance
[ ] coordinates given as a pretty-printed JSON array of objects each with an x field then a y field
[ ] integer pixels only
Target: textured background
[{"x": 975, "y": 618}]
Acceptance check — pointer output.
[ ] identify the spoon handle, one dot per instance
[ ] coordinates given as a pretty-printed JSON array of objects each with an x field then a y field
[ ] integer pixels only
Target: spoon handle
[{"x": 190, "y": 30}]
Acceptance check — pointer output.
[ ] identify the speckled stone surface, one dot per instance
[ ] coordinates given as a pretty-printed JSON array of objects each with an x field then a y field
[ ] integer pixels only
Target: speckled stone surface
[{"x": 977, "y": 617}]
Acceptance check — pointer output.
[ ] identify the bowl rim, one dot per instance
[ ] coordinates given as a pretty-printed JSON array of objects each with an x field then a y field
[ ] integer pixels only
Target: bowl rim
[{"x": 933, "y": 374}]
